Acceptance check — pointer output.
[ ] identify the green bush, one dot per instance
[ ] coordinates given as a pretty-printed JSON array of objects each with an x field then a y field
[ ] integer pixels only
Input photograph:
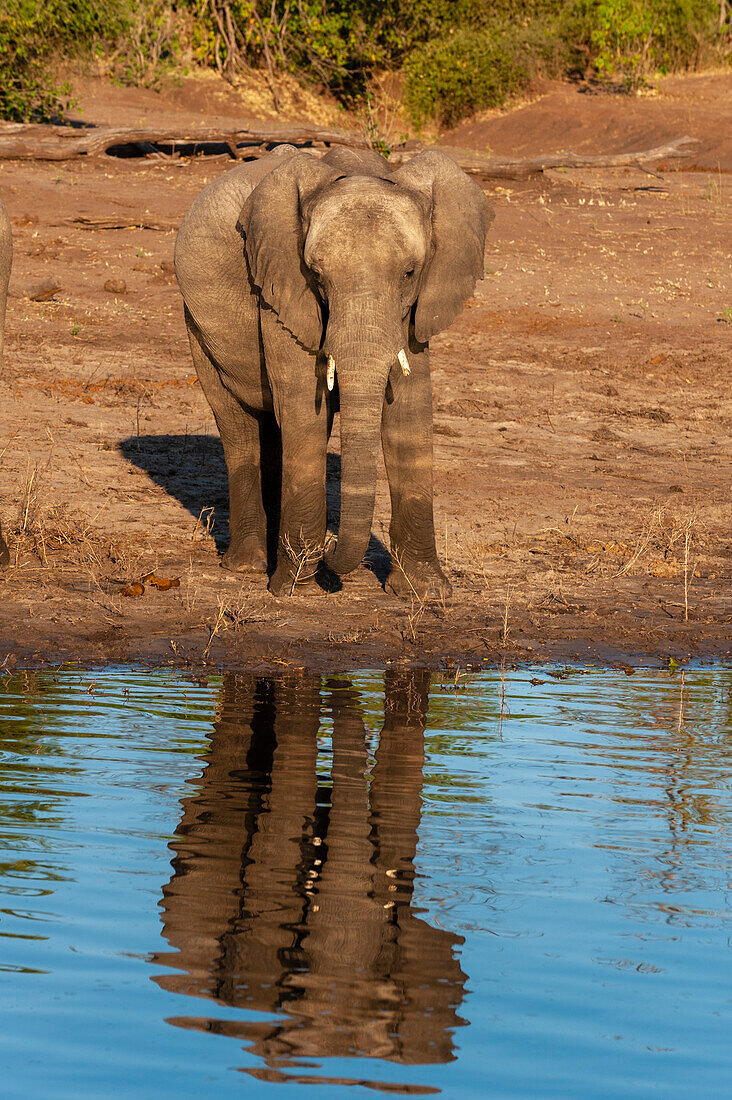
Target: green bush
[
  {"x": 628, "y": 40},
  {"x": 339, "y": 42},
  {"x": 471, "y": 70},
  {"x": 503, "y": 46},
  {"x": 462, "y": 72},
  {"x": 27, "y": 86},
  {"x": 150, "y": 42},
  {"x": 33, "y": 33}
]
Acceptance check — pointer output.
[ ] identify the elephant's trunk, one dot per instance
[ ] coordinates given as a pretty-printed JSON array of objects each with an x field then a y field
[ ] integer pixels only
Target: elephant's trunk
[{"x": 364, "y": 339}]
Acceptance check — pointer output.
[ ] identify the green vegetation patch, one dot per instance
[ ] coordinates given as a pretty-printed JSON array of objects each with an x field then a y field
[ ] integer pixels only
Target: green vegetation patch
[
  {"x": 495, "y": 52},
  {"x": 34, "y": 34}
]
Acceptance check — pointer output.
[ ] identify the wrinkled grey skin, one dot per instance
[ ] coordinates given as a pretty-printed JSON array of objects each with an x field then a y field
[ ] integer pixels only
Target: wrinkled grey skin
[
  {"x": 6, "y": 259},
  {"x": 287, "y": 260}
]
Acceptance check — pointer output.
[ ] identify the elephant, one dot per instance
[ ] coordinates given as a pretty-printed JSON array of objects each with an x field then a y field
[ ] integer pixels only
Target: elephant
[
  {"x": 313, "y": 286},
  {"x": 6, "y": 260}
]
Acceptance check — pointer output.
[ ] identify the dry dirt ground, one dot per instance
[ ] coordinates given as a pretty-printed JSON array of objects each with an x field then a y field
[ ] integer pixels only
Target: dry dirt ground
[{"x": 582, "y": 407}]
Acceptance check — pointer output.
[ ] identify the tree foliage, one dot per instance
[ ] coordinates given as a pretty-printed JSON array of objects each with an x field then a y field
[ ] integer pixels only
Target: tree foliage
[
  {"x": 456, "y": 55},
  {"x": 34, "y": 34},
  {"x": 502, "y": 47}
]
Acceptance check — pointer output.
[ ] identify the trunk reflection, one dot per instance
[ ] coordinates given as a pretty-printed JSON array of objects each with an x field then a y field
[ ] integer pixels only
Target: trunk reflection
[{"x": 292, "y": 893}]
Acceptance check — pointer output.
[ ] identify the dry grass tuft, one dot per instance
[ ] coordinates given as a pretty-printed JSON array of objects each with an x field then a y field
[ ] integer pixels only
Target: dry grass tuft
[
  {"x": 231, "y": 614},
  {"x": 306, "y": 559}
]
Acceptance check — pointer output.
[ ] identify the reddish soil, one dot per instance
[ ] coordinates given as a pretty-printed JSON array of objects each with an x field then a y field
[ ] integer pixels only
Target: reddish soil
[
  {"x": 583, "y": 119},
  {"x": 582, "y": 414}
]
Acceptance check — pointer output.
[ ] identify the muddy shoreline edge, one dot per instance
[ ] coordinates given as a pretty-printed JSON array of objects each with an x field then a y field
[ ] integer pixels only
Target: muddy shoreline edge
[{"x": 266, "y": 653}]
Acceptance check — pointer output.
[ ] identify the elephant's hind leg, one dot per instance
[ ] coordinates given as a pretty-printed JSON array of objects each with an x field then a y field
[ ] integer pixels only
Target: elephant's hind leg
[{"x": 240, "y": 435}]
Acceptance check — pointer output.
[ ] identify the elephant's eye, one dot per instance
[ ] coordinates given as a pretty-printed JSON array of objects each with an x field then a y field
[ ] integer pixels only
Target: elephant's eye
[{"x": 409, "y": 272}]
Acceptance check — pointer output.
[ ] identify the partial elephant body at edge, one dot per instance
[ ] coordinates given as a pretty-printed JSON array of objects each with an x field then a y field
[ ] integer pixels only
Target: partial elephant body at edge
[{"x": 313, "y": 286}]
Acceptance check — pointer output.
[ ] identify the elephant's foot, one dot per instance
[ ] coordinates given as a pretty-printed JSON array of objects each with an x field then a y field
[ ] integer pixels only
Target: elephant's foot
[
  {"x": 287, "y": 580},
  {"x": 421, "y": 580},
  {"x": 249, "y": 555}
]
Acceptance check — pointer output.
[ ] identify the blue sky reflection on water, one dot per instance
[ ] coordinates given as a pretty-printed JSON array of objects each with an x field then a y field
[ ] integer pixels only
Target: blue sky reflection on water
[{"x": 330, "y": 884}]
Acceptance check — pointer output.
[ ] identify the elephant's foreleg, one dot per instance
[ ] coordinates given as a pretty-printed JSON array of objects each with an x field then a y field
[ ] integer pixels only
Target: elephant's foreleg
[
  {"x": 301, "y": 408},
  {"x": 303, "y": 516},
  {"x": 240, "y": 436},
  {"x": 406, "y": 435}
]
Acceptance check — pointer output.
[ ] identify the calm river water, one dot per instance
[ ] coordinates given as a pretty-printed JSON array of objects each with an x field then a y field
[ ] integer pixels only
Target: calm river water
[{"x": 325, "y": 886}]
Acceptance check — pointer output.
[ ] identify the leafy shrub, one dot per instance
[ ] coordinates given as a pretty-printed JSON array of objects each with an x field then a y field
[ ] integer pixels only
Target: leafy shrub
[
  {"x": 339, "y": 42},
  {"x": 32, "y": 33},
  {"x": 627, "y": 40},
  {"x": 504, "y": 45},
  {"x": 452, "y": 76},
  {"x": 149, "y": 43},
  {"x": 26, "y": 87},
  {"x": 475, "y": 69}
]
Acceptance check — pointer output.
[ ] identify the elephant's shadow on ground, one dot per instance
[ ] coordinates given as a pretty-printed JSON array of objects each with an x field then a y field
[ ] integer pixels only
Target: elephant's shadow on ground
[{"x": 192, "y": 469}]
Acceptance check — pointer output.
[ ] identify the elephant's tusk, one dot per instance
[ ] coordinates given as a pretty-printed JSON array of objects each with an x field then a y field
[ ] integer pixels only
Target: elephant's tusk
[
  {"x": 403, "y": 363},
  {"x": 331, "y": 372}
]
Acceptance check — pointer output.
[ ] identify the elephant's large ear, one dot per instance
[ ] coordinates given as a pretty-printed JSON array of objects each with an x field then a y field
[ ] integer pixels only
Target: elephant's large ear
[
  {"x": 274, "y": 225},
  {"x": 461, "y": 215}
]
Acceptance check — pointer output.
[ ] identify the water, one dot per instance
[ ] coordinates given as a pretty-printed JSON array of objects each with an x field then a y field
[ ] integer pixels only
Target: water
[{"x": 324, "y": 886}]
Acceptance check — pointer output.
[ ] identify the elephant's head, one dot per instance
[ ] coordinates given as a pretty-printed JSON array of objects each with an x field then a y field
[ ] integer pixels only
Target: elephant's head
[{"x": 360, "y": 263}]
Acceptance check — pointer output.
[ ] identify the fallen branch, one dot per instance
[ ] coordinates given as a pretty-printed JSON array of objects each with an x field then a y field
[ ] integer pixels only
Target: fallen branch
[
  {"x": 33, "y": 141},
  {"x": 522, "y": 168},
  {"x": 122, "y": 221}
]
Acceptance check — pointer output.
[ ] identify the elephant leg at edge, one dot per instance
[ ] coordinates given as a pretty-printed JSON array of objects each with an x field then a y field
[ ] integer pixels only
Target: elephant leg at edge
[
  {"x": 4, "y": 552},
  {"x": 406, "y": 436},
  {"x": 240, "y": 437}
]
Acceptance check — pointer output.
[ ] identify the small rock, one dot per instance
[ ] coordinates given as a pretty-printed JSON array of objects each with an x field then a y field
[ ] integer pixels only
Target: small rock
[
  {"x": 675, "y": 489},
  {"x": 167, "y": 267},
  {"x": 116, "y": 286},
  {"x": 43, "y": 292}
]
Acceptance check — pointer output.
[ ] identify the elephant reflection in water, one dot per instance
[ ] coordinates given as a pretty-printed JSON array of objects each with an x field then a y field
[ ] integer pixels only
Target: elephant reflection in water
[{"x": 291, "y": 898}]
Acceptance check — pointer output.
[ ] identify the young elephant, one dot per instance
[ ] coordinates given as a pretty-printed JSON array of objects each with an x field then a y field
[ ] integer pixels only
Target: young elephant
[
  {"x": 346, "y": 271},
  {"x": 6, "y": 259}
]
